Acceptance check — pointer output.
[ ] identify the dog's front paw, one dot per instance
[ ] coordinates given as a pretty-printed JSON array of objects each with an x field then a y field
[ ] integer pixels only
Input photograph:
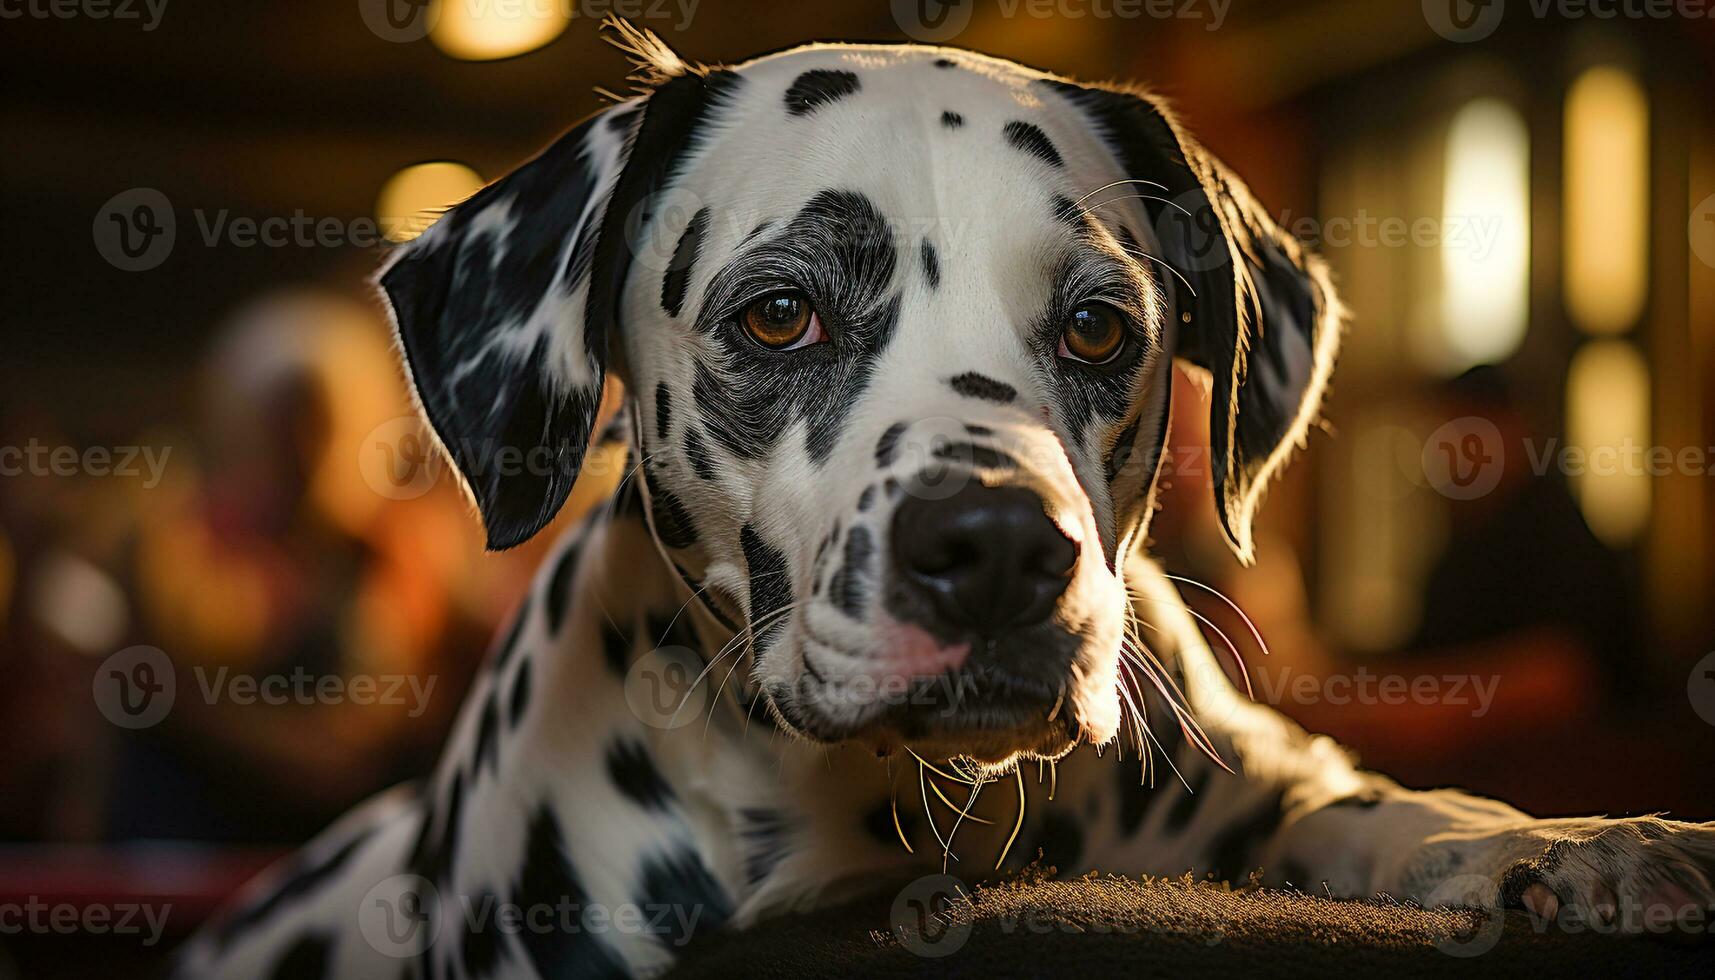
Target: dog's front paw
[{"x": 1636, "y": 875}]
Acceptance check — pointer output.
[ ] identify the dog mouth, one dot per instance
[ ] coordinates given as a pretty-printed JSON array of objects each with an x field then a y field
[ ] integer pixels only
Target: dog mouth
[{"x": 977, "y": 712}]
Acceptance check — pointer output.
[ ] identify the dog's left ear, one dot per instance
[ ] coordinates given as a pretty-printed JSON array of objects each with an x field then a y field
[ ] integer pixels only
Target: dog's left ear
[
  {"x": 506, "y": 306},
  {"x": 1255, "y": 309}
]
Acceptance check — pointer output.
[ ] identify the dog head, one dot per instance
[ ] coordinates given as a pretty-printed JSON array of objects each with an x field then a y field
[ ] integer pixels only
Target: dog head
[{"x": 896, "y": 326}]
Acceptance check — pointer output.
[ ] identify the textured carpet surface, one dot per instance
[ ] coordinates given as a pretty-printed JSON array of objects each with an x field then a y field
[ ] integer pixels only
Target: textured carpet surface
[{"x": 1116, "y": 927}]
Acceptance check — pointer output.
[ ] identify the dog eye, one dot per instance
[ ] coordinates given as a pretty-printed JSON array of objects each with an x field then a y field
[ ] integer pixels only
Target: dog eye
[
  {"x": 784, "y": 321},
  {"x": 1094, "y": 334}
]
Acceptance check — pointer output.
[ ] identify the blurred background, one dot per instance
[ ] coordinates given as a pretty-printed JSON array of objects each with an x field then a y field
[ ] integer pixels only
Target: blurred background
[{"x": 1492, "y": 568}]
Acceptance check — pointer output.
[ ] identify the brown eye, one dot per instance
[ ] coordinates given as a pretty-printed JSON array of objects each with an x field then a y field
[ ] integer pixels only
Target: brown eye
[
  {"x": 1094, "y": 333},
  {"x": 783, "y": 321}
]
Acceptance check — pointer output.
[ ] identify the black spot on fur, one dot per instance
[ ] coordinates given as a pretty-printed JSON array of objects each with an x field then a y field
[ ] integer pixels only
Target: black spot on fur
[
  {"x": 766, "y": 835},
  {"x": 945, "y": 63},
  {"x": 634, "y": 773},
  {"x": 663, "y": 410},
  {"x": 615, "y": 648},
  {"x": 559, "y": 598},
  {"x": 436, "y": 847},
  {"x": 843, "y": 251},
  {"x": 520, "y": 699},
  {"x": 306, "y": 959},
  {"x": 952, "y": 120},
  {"x": 846, "y": 588},
  {"x": 697, "y": 451},
  {"x": 887, "y": 447},
  {"x": 1033, "y": 141},
  {"x": 972, "y": 454},
  {"x": 678, "y": 276},
  {"x": 487, "y": 751},
  {"x": 1234, "y": 854},
  {"x": 1071, "y": 214},
  {"x": 973, "y": 385},
  {"x": 1124, "y": 448},
  {"x": 299, "y": 882},
  {"x": 818, "y": 87},
  {"x": 931, "y": 265},
  {"x": 627, "y": 500},
  {"x": 482, "y": 950},
  {"x": 682, "y": 883},
  {"x": 1128, "y": 240},
  {"x": 866, "y": 499},
  {"x": 770, "y": 589},
  {"x": 547, "y": 880},
  {"x": 508, "y": 647},
  {"x": 673, "y": 523}
]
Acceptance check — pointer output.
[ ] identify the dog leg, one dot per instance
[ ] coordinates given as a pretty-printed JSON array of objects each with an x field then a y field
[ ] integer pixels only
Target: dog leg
[{"x": 1294, "y": 808}]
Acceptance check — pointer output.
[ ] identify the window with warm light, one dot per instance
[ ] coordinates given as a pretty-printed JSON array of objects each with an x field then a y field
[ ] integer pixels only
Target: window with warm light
[
  {"x": 1606, "y": 201},
  {"x": 1608, "y": 426},
  {"x": 1485, "y": 236}
]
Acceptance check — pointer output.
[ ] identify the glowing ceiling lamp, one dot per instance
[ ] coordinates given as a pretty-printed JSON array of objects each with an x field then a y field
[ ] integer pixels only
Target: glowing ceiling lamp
[
  {"x": 484, "y": 30},
  {"x": 1607, "y": 200},
  {"x": 414, "y": 197},
  {"x": 1608, "y": 422},
  {"x": 1485, "y": 236}
]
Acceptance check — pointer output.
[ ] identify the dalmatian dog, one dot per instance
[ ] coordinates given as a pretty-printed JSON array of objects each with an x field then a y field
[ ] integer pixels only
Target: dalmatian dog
[{"x": 895, "y": 327}]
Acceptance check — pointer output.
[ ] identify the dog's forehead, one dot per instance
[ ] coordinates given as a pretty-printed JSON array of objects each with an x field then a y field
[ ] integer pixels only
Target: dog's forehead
[{"x": 944, "y": 143}]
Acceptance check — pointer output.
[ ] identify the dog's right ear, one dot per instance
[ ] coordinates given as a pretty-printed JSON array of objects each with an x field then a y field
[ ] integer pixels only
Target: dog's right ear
[{"x": 505, "y": 308}]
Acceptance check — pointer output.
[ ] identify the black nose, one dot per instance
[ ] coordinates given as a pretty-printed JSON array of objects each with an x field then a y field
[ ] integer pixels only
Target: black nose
[{"x": 985, "y": 558}]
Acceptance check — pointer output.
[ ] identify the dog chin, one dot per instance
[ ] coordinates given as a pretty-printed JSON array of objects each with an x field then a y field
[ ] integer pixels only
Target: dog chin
[{"x": 990, "y": 749}]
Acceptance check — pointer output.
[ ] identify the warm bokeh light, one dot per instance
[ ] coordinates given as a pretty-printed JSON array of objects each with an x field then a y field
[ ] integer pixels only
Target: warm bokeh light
[
  {"x": 1608, "y": 422},
  {"x": 1607, "y": 200},
  {"x": 483, "y": 30},
  {"x": 414, "y": 197},
  {"x": 80, "y": 603},
  {"x": 1485, "y": 235}
]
